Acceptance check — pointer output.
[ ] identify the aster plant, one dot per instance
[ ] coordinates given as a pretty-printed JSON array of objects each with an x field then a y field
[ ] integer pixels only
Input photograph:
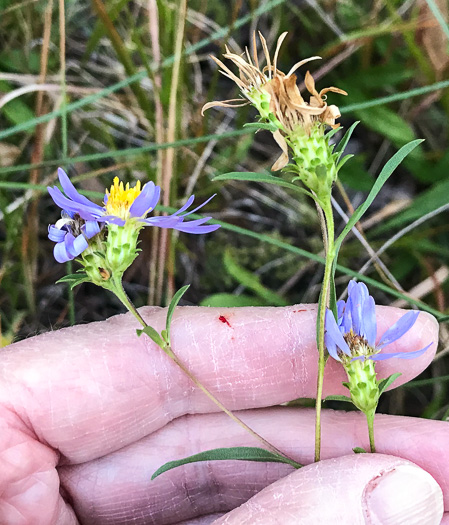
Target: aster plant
[
  {"x": 351, "y": 339},
  {"x": 305, "y": 131},
  {"x": 103, "y": 239}
]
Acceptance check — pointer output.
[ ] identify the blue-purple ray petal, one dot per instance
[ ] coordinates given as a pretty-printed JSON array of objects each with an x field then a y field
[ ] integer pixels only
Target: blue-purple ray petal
[
  {"x": 90, "y": 229},
  {"x": 85, "y": 212},
  {"x": 55, "y": 234},
  {"x": 358, "y": 293},
  {"x": 333, "y": 332},
  {"x": 196, "y": 226},
  {"x": 60, "y": 253},
  {"x": 340, "y": 309},
  {"x": 186, "y": 205},
  {"x": 400, "y": 355},
  {"x": 197, "y": 229},
  {"x": 143, "y": 202},
  {"x": 164, "y": 221},
  {"x": 331, "y": 347},
  {"x": 111, "y": 219},
  {"x": 155, "y": 198},
  {"x": 369, "y": 325},
  {"x": 71, "y": 192},
  {"x": 200, "y": 206},
  {"x": 399, "y": 328},
  {"x": 75, "y": 245}
]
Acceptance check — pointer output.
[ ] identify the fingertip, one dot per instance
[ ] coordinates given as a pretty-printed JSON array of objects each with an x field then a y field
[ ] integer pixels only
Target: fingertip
[
  {"x": 403, "y": 494},
  {"x": 363, "y": 488}
]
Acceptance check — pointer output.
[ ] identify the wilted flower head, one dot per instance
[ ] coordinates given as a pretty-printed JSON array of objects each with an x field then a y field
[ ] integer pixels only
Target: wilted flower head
[
  {"x": 89, "y": 229},
  {"x": 353, "y": 335},
  {"x": 276, "y": 95}
]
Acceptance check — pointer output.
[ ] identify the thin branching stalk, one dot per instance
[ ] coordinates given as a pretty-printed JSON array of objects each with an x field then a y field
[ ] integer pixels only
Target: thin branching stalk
[
  {"x": 330, "y": 255},
  {"x": 119, "y": 291},
  {"x": 370, "y": 421}
]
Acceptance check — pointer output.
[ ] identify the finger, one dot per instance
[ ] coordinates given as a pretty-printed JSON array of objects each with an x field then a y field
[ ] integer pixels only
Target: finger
[
  {"x": 357, "y": 489},
  {"x": 89, "y": 390},
  {"x": 120, "y": 484}
]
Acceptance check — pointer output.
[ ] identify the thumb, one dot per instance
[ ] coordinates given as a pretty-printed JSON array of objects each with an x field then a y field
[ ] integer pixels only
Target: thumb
[{"x": 359, "y": 489}]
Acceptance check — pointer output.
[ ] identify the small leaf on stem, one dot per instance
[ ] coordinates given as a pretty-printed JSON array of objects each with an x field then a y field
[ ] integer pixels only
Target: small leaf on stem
[
  {"x": 346, "y": 399},
  {"x": 385, "y": 383},
  {"x": 173, "y": 304},
  {"x": 151, "y": 332},
  {"x": 226, "y": 454}
]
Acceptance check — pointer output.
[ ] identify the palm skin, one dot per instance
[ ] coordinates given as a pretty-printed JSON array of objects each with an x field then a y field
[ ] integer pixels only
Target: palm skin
[{"x": 88, "y": 413}]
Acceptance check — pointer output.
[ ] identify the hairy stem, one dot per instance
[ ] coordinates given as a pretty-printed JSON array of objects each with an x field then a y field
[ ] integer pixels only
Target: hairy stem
[
  {"x": 324, "y": 302},
  {"x": 117, "y": 289},
  {"x": 370, "y": 421}
]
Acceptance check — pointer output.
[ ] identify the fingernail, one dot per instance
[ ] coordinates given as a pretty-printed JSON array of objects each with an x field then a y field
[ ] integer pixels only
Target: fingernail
[{"x": 404, "y": 495}]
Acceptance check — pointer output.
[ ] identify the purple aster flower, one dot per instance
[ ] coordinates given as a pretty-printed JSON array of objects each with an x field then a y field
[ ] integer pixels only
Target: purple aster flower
[
  {"x": 353, "y": 336},
  {"x": 122, "y": 205},
  {"x": 71, "y": 235}
]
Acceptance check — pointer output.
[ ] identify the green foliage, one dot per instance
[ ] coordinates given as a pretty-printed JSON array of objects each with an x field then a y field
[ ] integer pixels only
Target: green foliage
[
  {"x": 261, "y": 177},
  {"x": 388, "y": 381},
  {"x": 386, "y": 172},
  {"x": 171, "y": 308},
  {"x": 227, "y": 454}
]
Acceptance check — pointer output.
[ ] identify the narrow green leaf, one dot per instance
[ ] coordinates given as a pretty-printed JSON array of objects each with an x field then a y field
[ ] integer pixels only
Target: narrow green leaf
[
  {"x": 344, "y": 141},
  {"x": 346, "y": 399},
  {"x": 385, "y": 383},
  {"x": 343, "y": 161},
  {"x": 333, "y": 296},
  {"x": 71, "y": 277},
  {"x": 387, "y": 170},
  {"x": 318, "y": 316},
  {"x": 260, "y": 177},
  {"x": 173, "y": 304},
  {"x": 151, "y": 332},
  {"x": 332, "y": 132},
  {"x": 76, "y": 283},
  {"x": 226, "y": 454}
]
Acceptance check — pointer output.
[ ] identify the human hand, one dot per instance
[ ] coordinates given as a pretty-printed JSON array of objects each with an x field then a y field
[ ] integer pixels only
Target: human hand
[{"x": 87, "y": 414}]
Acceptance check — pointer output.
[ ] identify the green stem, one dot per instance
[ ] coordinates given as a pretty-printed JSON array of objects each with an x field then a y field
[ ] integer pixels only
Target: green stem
[
  {"x": 370, "y": 421},
  {"x": 117, "y": 288},
  {"x": 330, "y": 255}
]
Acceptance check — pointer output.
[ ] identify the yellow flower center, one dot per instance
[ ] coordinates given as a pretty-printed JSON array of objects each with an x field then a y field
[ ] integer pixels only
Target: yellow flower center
[{"x": 120, "y": 198}]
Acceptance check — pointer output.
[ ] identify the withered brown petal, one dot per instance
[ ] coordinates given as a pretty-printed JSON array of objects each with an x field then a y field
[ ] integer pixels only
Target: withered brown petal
[
  {"x": 224, "y": 104},
  {"x": 283, "y": 159}
]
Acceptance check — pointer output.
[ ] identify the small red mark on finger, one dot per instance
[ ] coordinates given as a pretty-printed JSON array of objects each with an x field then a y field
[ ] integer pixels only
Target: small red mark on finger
[
  {"x": 297, "y": 311},
  {"x": 223, "y": 319}
]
